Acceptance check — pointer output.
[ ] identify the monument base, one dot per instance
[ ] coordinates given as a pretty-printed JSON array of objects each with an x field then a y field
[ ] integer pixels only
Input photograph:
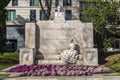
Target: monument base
[
  {"x": 90, "y": 56},
  {"x": 27, "y": 56},
  {"x": 54, "y": 62}
]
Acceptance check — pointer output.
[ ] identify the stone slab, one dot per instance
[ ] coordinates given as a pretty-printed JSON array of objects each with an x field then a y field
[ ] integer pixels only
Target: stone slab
[
  {"x": 53, "y": 38},
  {"x": 27, "y": 56},
  {"x": 56, "y": 62},
  {"x": 30, "y": 35},
  {"x": 49, "y": 57},
  {"x": 90, "y": 56}
]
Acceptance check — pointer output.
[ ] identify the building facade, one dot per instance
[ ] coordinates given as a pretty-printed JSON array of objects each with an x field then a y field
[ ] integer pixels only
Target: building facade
[{"x": 22, "y": 11}]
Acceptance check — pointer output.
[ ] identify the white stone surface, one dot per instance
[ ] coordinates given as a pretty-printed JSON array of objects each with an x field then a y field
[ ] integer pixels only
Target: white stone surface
[
  {"x": 90, "y": 56},
  {"x": 54, "y": 36},
  {"x": 70, "y": 55},
  {"x": 30, "y": 35},
  {"x": 57, "y": 62},
  {"x": 27, "y": 56}
]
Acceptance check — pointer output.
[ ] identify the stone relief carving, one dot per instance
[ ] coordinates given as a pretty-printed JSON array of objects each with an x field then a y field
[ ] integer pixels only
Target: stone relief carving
[
  {"x": 26, "y": 57},
  {"x": 59, "y": 8},
  {"x": 90, "y": 56},
  {"x": 70, "y": 55}
]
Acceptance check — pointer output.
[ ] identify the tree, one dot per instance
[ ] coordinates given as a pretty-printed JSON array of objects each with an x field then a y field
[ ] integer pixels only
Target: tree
[
  {"x": 105, "y": 16},
  {"x": 49, "y": 5},
  {"x": 3, "y": 11}
]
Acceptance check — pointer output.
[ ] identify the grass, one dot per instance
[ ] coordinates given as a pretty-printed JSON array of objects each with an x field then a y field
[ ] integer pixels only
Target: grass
[
  {"x": 4, "y": 75},
  {"x": 113, "y": 62},
  {"x": 8, "y": 59}
]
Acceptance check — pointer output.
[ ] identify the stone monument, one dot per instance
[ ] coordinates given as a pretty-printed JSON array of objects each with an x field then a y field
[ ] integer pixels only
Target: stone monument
[{"x": 48, "y": 39}]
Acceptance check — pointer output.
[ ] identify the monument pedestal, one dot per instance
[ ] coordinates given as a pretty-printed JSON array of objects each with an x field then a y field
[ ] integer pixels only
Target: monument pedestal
[
  {"x": 90, "y": 56},
  {"x": 54, "y": 62},
  {"x": 27, "y": 56}
]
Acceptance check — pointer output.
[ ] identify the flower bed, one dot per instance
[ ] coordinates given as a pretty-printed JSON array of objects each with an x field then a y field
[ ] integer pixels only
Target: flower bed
[{"x": 57, "y": 70}]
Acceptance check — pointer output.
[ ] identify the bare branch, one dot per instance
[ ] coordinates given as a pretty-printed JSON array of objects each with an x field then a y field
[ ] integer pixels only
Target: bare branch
[{"x": 47, "y": 15}]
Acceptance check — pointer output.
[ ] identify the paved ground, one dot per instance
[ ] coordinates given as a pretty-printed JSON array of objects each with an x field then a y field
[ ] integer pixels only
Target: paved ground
[
  {"x": 66, "y": 78},
  {"x": 4, "y": 72},
  {"x": 2, "y": 78}
]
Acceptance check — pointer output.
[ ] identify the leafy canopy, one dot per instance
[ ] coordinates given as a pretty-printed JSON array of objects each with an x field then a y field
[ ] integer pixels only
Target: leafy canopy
[
  {"x": 105, "y": 16},
  {"x": 3, "y": 4}
]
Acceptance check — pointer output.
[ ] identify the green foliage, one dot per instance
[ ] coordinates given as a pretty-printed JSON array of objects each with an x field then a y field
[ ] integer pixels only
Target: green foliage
[
  {"x": 115, "y": 67},
  {"x": 113, "y": 60},
  {"x": 4, "y": 75},
  {"x": 8, "y": 59},
  {"x": 107, "y": 43},
  {"x": 105, "y": 16},
  {"x": 3, "y": 11},
  {"x": 115, "y": 57}
]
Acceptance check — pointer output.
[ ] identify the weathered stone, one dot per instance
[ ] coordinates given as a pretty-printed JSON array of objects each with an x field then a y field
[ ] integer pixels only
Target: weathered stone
[
  {"x": 27, "y": 56},
  {"x": 30, "y": 35},
  {"x": 53, "y": 37},
  {"x": 90, "y": 56},
  {"x": 70, "y": 55},
  {"x": 57, "y": 62}
]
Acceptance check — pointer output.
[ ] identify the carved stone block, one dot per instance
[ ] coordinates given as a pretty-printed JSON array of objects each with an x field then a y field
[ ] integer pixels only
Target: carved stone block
[
  {"x": 27, "y": 56},
  {"x": 90, "y": 56}
]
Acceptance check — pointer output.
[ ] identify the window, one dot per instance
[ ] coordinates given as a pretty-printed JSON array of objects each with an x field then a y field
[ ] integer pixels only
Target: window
[
  {"x": 34, "y": 2},
  {"x": 85, "y": 4},
  {"x": 57, "y": 2},
  {"x": 67, "y": 2},
  {"x": 32, "y": 15},
  {"x": 11, "y": 15},
  {"x": 47, "y": 2},
  {"x": 42, "y": 15},
  {"x": 68, "y": 15},
  {"x": 11, "y": 45},
  {"x": 14, "y": 2},
  {"x": 82, "y": 5}
]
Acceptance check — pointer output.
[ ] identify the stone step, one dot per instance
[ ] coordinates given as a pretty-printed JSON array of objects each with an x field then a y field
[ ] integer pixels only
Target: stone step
[
  {"x": 57, "y": 62},
  {"x": 48, "y": 57},
  {"x": 51, "y": 57}
]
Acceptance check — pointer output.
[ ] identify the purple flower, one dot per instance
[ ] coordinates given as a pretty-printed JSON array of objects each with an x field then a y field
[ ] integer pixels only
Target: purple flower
[
  {"x": 68, "y": 73},
  {"x": 53, "y": 73},
  {"x": 53, "y": 70},
  {"x": 43, "y": 74}
]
